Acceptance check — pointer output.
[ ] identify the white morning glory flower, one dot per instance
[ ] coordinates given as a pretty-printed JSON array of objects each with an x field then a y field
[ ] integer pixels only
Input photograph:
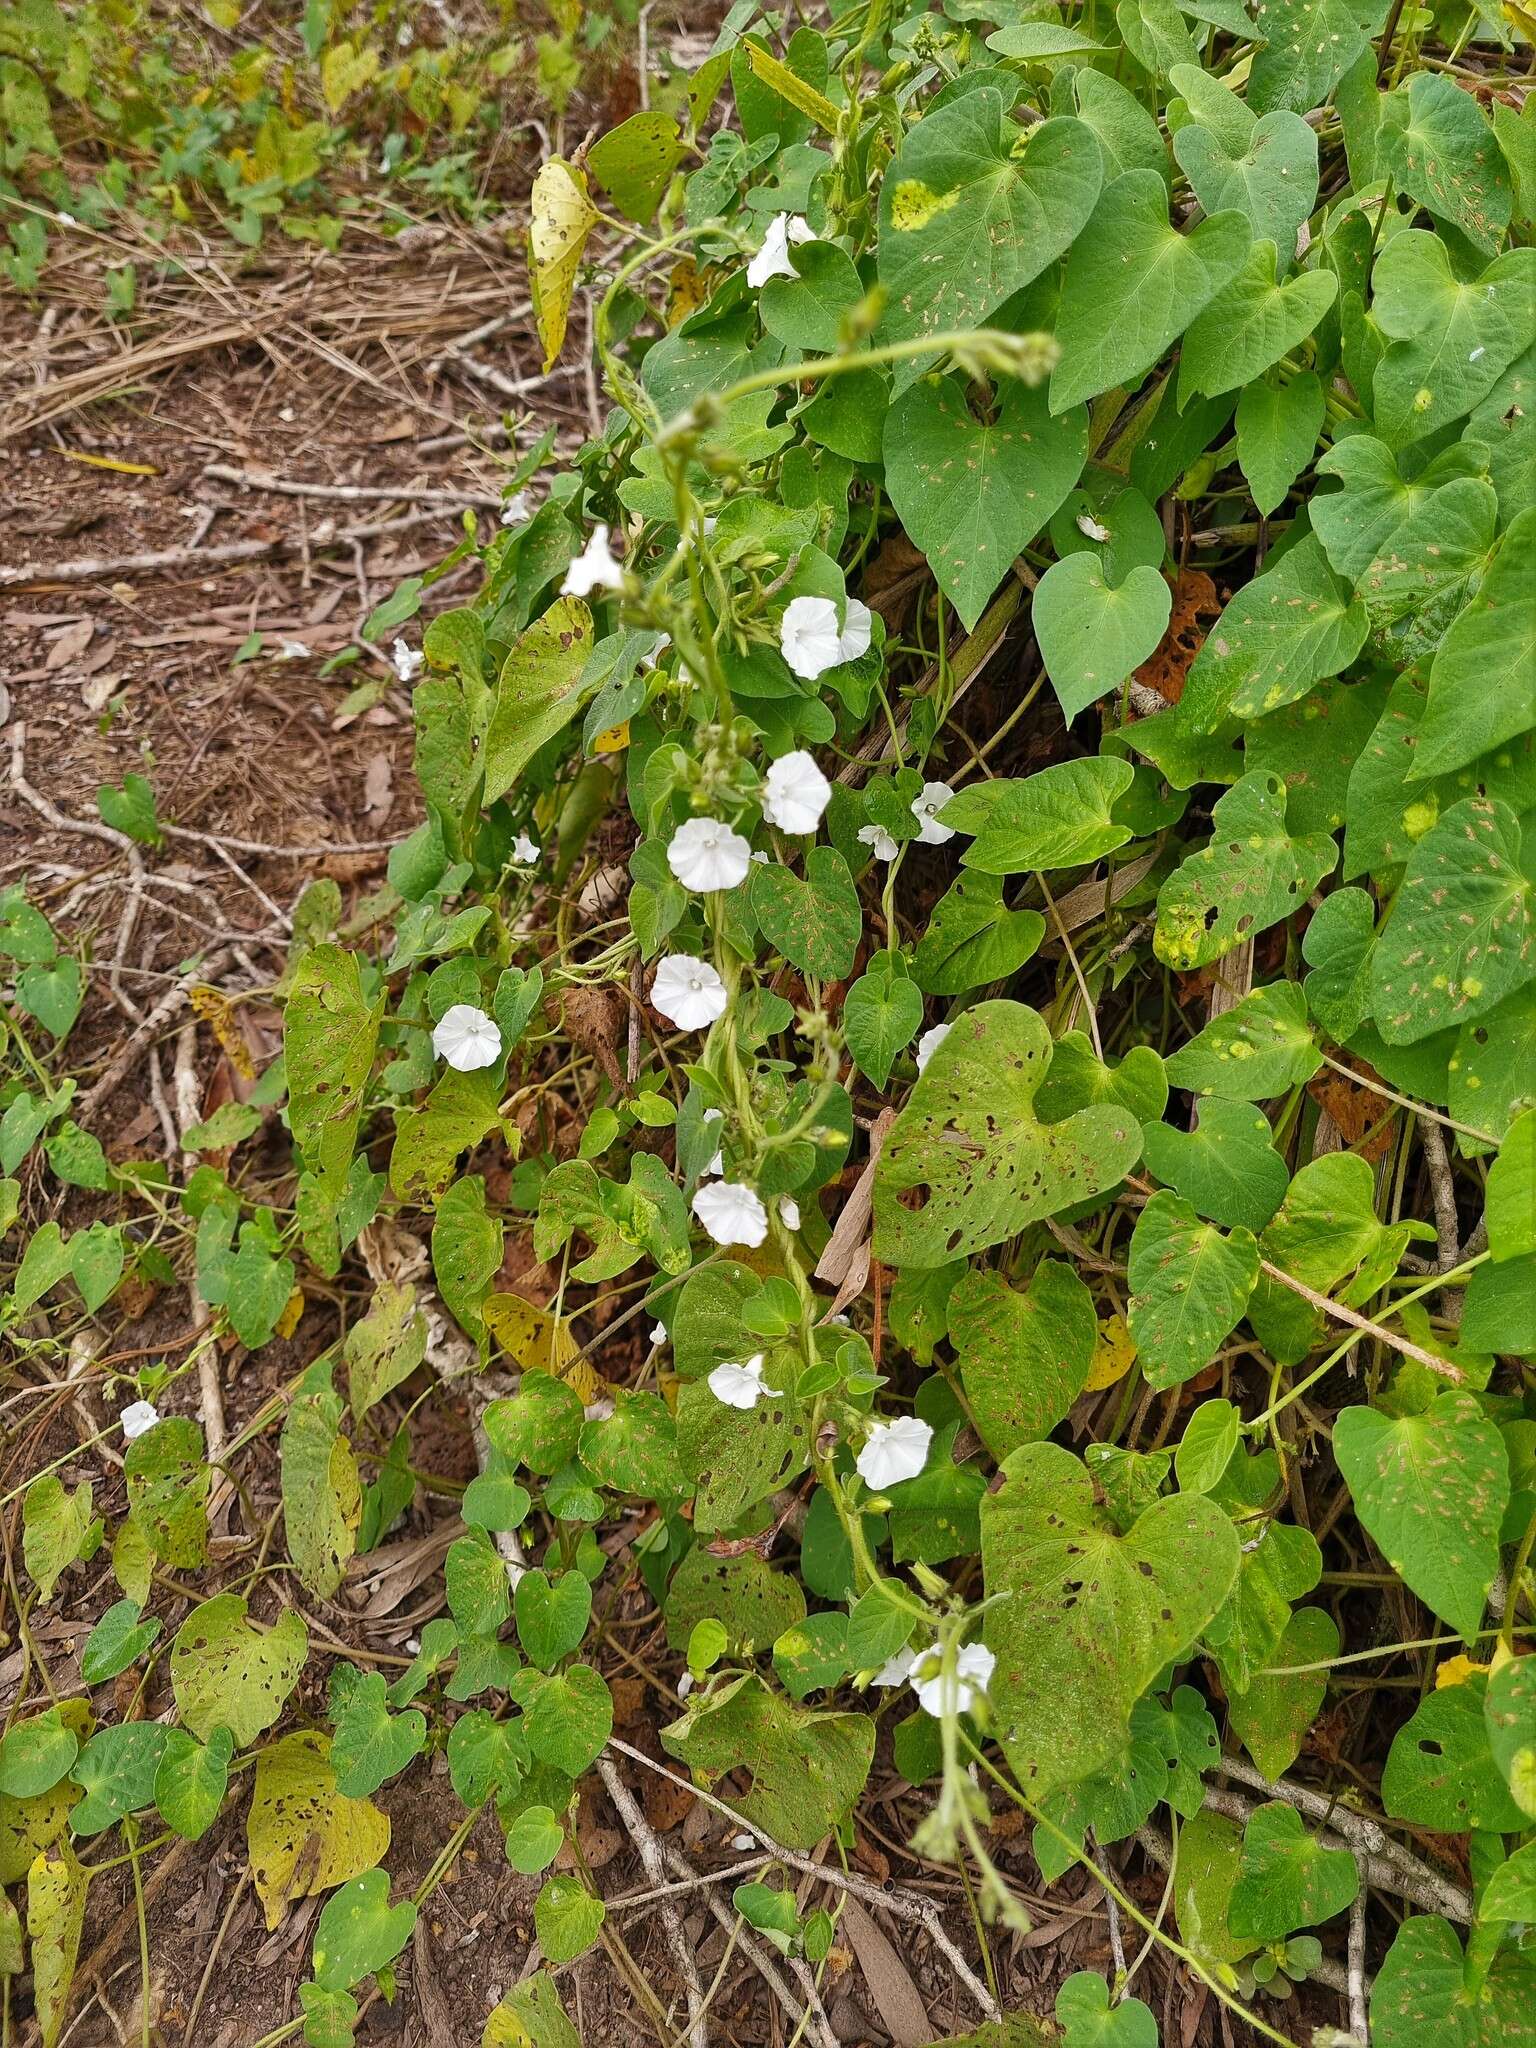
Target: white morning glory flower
[
  {"x": 408, "y": 663},
  {"x": 1095, "y": 529},
  {"x": 894, "y": 1451},
  {"x": 138, "y": 1417},
  {"x": 795, "y": 793},
  {"x": 926, "y": 805},
  {"x": 731, "y": 1213},
  {"x": 516, "y": 510},
  {"x": 594, "y": 568},
  {"x": 811, "y": 640},
  {"x": 789, "y": 1212},
  {"x": 705, "y": 855},
  {"x": 930, "y": 1042},
  {"x": 689, "y": 993},
  {"x": 467, "y": 1039},
  {"x": 717, "y": 1164},
  {"x": 958, "y": 1690},
  {"x": 741, "y": 1386},
  {"x": 898, "y": 1669},
  {"x": 292, "y": 650},
  {"x": 525, "y": 850},
  {"x": 773, "y": 259},
  {"x": 882, "y": 844}
]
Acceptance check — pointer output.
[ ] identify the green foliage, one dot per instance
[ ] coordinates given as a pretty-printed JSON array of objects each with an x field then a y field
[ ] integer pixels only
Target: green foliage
[{"x": 1053, "y": 1070}]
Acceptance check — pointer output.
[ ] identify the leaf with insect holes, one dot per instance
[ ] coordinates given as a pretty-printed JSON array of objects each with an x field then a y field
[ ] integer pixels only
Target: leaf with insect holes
[
  {"x": 227, "y": 1673},
  {"x": 302, "y": 1835},
  {"x": 1421, "y": 1994},
  {"x": 802, "y": 1771},
  {"x": 1441, "y": 1772},
  {"x": 561, "y": 217},
  {"x": 971, "y": 492},
  {"x": 1430, "y": 1491},
  {"x": 1459, "y": 937},
  {"x": 634, "y": 164},
  {"x": 1249, "y": 876},
  {"x": 1025, "y": 1354},
  {"x": 972, "y": 208},
  {"x": 330, "y": 1032},
  {"x": 541, "y": 688},
  {"x": 1082, "y": 1617},
  {"x": 1189, "y": 1288},
  {"x": 1435, "y": 141},
  {"x": 56, "y": 1894},
  {"x": 967, "y": 1163},
  {"x": 1277, "y": 637},
  {"x": 1309, "y": 46}
]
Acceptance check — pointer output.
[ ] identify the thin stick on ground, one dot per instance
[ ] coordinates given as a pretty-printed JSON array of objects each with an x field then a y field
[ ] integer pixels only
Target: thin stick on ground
[
  {"x": 904, "y": 1905},
  {"x": 813, "y": 2013},
  {"x": 643, "y": 1836}
]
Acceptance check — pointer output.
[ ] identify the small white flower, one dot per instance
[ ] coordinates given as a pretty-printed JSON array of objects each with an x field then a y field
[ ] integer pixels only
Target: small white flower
[
  {"x": 659, "y": 1333},
  {"x": 593, "y": 569},
  {"x": 705, "y": 855},
  {"x": 894, "y": 1451},
  {"x": 516, "y": 510},
  {"x": 740, "y": 1386},
  {"x": 743, "y": 1843},
  {"x": 731, "y": 1213},
  {"x": 467, "y": 1039},
  {"x": 858, "y": 630},
  {"x": 689, "y": 993},
  {"x": 525, "y": 851},
  {"x": 413, "y": 1644},
  {"x": 795, "y": 793},
  {"x": 812, "y": 641},
  {"x": 898, "y": 1669},
  {"x": 760, "y": 858},
  {"x": 292, "y": 650},
  {"x": 66, "y": 220},
  {"x": 882, "y": 844},
  {"x": 649, "y": 661},
  {"x": 1094, "y": 528},
  {"x": 930, "y": 1042},
  {"x": 930, "y": 800},
  {"x": 408, "y": 663},
  {"x": 958, "y": 1690},
  {"x": 789, "y": 1212},
  {"x": 685, "y": 1685},
  {"x": 717, "y": 1164},
  {"x": 773, "y": 259},
  {"x": 138, "y": 1417}
]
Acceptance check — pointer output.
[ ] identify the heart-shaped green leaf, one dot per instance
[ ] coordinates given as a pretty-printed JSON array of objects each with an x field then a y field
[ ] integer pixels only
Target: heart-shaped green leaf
[
  {"x": 1084, "y": 1618},
  {"x": 973, "y": 493},
  {"x": 1430, "y": 1490},
  {"x": 1091, "y": 636},
  {"x": 1287, "y": 1879},
  {"x": 552, "y": 1615},
  {"x": 228, "y": 1673},
  {"x": 804, "y": 1770},
  {"x": 1025, "y": 1353},
  {"x": 359, "y": 1931},
  {"x": 1189, "y": 1288},
  {"x": 967, "y": 1162}
]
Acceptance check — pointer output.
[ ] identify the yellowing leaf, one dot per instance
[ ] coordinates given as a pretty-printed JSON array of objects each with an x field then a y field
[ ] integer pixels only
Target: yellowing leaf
[
  {"x": 562, "y": 219},
  {"x": 1113, "y": 1355},
  {"x": 344, "y": 70},
  {"x": 110, "y": 462},
  {"x": 613, "y": 741},
  {"x": 56, "y": 1889},
  {"x": 789, "y": 86},
  {"x": 532, "y": 1336},
  {"x": 218, "y": 1013},
  {"x": 1455, "y": 1671},
  {"x": 29, "y": 1826},
  {"x": 302, "y": 1835},
  {"x": 292, "y": 1315}
]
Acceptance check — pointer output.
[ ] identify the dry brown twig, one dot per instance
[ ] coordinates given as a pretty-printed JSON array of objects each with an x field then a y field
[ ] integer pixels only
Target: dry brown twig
[{"x": 904, "y": 1905}]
